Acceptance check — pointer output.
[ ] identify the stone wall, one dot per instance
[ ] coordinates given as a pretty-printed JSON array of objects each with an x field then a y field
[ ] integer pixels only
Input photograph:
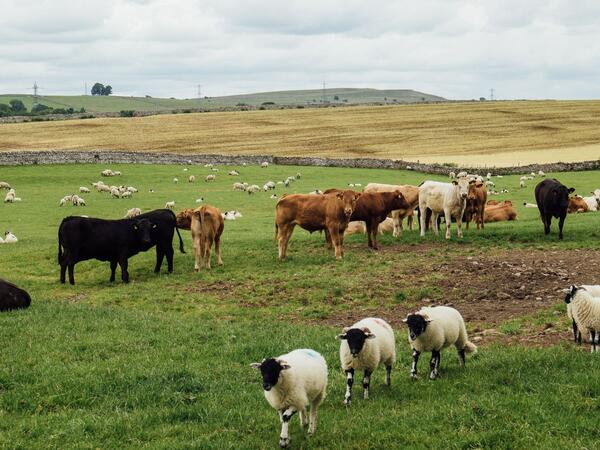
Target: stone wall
[{"x": 118, "y": 157}]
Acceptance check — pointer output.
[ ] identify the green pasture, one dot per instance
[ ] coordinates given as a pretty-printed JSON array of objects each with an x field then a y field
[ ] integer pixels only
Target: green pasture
[{"x": 163, "y": 362}]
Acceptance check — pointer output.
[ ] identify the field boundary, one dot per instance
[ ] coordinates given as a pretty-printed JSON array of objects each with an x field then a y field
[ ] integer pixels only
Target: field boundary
[{"x": 23, "y": 158}]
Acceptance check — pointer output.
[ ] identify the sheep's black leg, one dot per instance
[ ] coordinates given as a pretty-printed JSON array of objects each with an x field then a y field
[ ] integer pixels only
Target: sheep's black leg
[
  {"x": 388, "y": 375},
  {"x": 284, "y": 437},
  {"x": 413, "y": 370},
  {"x": 593, "y": 339},
  {"x": 366, "y": 383},
  {"x": 461, "y": 357},
  {"x": 434, "y": 364},
  {"x": 349, "y": 383},
  {"x": 575, "y": 334}
]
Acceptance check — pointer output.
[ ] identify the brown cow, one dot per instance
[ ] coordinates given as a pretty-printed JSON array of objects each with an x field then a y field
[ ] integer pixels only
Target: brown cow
[
  {"x": 314, "y": 213},
  {"x": 411, "y": 195},
  {"x": 184, "y": 218},
  {"x": 500, "y": 212},
  {"x": 476, "y": 200},
  {"x": 577, "y": 205},
  {"x": 373, "y": 208},
  {"x": 207, "y": 226}
]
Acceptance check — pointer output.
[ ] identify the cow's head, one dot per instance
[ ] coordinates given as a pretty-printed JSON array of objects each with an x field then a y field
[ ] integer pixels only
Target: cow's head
[
  {"x": 356, "y": 337},
  {"x": 463, "y": 185},
  {"x": 417, "y": 323},
  {"x": 142, "y": 228},
  {"x": 400, "y": 200},
  {"x": 270, "y": 369},
  {"x": 474, "y": 187},
  {"x": 348, "y": 199},
  {"x": 570, "y": 293},
  {"x": 184, "y": 218}
]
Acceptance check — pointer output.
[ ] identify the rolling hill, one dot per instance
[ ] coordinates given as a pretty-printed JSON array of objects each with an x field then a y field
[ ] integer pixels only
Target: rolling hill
[{"x": 115, "y": 103}]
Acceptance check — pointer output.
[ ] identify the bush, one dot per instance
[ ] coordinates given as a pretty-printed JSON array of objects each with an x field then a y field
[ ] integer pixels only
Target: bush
[
  {"x": 17, "y": 106},
  {"x": 127, "y": 113},
  {"x": 262, "y": 108},
  {"x": 268, "y": 103},
  {"x": 40, "y": 109}
]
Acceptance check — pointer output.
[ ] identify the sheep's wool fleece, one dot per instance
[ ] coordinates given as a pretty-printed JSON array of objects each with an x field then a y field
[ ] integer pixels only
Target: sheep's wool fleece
[
  {"x": 593, "y": 289},
  {"x": 585, "y": 310},
  {"x": 303, "y": 383},
  {"x": 381, "y": 349},
  {"x": 447, "y": 327}
]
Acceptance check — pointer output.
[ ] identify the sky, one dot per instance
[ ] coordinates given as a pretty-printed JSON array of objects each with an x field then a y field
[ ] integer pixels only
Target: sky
[{"x": 458, "y": 49}]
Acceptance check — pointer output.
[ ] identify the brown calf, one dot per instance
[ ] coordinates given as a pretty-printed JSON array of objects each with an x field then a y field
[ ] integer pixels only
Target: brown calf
[
  {"x": 184, "y": 218},
  {"x": 411, "y": 195},
  {"x": 207, "y": 226},
  {"x": 476, "y": 199},
  {"x": 500, "y": 212},
  {"x": 577, "y": 205},
  {"x": 314, "y": 213}
]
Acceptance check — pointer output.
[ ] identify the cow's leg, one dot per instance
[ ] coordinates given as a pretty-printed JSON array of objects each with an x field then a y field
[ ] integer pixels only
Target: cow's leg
[
  {"x": 63, "y": 268},
  {"x": 160, "y": 254},
  {"x": 285, "y": 233},
  {"x": 436, "y": 224},
  {"x": 561, "y": 222},
  {"x": 349, "y": 383},
  {"x": 422, "y": 218},
  {"x": 366, "y": 383},
  {"x": 413, "y": 369},
  {"x": 169, "y": 252},
  {"x": 197, "y": 254},
  {"x": 284, "y": 437},
  {"x": 124, "y": 273},
  {"x": 328, "y": 239},
  {"x": 369, "y": 226},
  {"x": 397, "y": 227},
  {"x": 434, "y": 364},
  {"x": 410, "y": 219},
  {"x": 448, "y": 219},
  {"x": 218, "y": 250},
  {"x": 458, "y": 226},
  {"x": 71, "y": 267},
  {"x": 208, "y": 251},
  {"x": 335, "y": 238},
  {"x": 547, "y": 224},
  {"x": 113, "y": 269}
]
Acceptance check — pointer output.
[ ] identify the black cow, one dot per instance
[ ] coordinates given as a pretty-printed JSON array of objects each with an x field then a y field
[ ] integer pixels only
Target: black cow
[
  {"x": 552, "y": 198},
  {"x": 12, "y": 297},
  {"x": 81, "y": 238}
]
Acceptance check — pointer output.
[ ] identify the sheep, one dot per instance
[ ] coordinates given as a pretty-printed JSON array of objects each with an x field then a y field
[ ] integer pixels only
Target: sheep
[
  {"x": 529, "y": 205},
  {"x": 77, "y": 200},
  {"x": 583, "y": 306},
  {"x": 433, "y": 328},
  {"x": 489, "y": 176},
  {"x": 10, "y": 197},
  {"x": 264, "y": 165},
  {"x": 132, "y": 213},
  {"x": 269, "y": 185},
  {"x": 200, "y": 200},
  {"x": 239, "y": 187},
  {"x": 114, "y": 192},
  {"x": 298, "y": 175},
  {"x": 532, "y": 175},
  {"x": 291, "y": 382},
  {"x": 227, "y": 215},
  {"x": 233, "y": 173},
  {"x": 452, "y": 175},
  {"x": 210, "y": 178},
  {"x": 364, "y": 346},
  {"x": 252, "y": 189},
  {"x": 273, "y": 196},
  {"x": 214, "y": 169},
  {"x": 170, "y": 205},
  {"x": 316, "y": 192},
  {"x": 490, "y": 184},
  {"x": 103, "y": 188},
  {"x": 83, "y": 190},
  {"x": 208, "y": 165},
  {"x": 10, "y": 238},
  {"x": 126, "y": 194},
  {"x": 132, "y": 189},
  {"x": 462, "y": 174},
  {"x": 192, "y": 179},
  {"x": 117, "y": 173},
  {"x": 541, "y": 173},
  {"x": 175, "y": 180},
  {"x": 107, "y": 173},
  {"x": 4, "y": 185},
  {"x": 522, "y": 183},
  {"x": 66, "y": 199},
  {"x": 351, "y": 185}
]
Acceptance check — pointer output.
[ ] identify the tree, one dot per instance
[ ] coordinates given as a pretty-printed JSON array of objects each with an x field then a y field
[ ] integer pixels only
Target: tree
[
  {"x": 17, "y": 106},
  {"x": 107, "y": 90},
  {"x": 97, "y": 89},
  {"x": 39, "y": 108}
]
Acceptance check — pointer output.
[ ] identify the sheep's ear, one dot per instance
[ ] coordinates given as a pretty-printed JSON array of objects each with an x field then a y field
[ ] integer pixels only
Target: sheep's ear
[
  {"x": 256, "y": 366},
  {"x": 428, "y": 320},
  {"x": 571, "y": 190},
  {"x": 284, "y": 365},
  {"x": 368, "y": 333},
  {"x": 454, "y": 182},
  {"x": 341, "y": 336}
]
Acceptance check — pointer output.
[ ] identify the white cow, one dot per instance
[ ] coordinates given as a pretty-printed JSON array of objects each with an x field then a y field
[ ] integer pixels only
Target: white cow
[{"x": 447, "y": 198}]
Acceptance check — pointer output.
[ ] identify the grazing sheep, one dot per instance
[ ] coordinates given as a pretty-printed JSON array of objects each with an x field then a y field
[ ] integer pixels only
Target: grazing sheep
[
  {"x": 83, "y": 190},
  {"x": 233, "y": 173},
  {"x": 461, "y": 175},
  {"x": 131, "y": 213},
  {"x": 78, "y": 201},
  {"x": 239, "y": 187},
  {"x": 541, "y": 173},
  {"x": 452, "y": 175},
  {"x": 107, "y": 173},
  {"x": 175, "y": 180},
  {"x": 434, "y": 328},
  {"x": 117, "y": 173},
  {"x": 273, "y": 196},
  {"x": 210, "y": 177},
  {"x": 228, "y": 215},
  {"x": 103, "y": 188},
  {"x": 4, "y": 185},
  {"x": 356, "y": 227},
  {"x": 200, "y": 200},
  {"x": 10, "y": 238},
  {"x": 530, "y": 205},
  {"x": 170, "y": 205},
  {"x": 131, "y": 189},
  {"x": 291, "y": 382},
  {"x": 264, "y": 165},
  {"x": 208, "y": 165},
  {"x": 191, "y": 179},
  {"x": 522, "y": 183},
  {"x": 592, "y": 289},
  {"x": 115, "y": 193},
  {"x": 490, "y": 184},
  {"x": 12, "y": 297},
  {"x": 269, "y": 185},
  {"x": 585, "y": 311},
  {"x": 252, "y": 189},
  {"x": 66, "y": 199},
  {"x": 364, "y": 346},
  {"x": 10, "y": 196}
]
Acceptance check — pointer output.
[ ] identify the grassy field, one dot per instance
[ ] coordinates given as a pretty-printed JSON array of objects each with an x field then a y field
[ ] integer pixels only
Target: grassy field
[
  {"x": 163, "y": 362},
  {"x": 483, "y": 134},
  {"x": 116, "y": 103}
]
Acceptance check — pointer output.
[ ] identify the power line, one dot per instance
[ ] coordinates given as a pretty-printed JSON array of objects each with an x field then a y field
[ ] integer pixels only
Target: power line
[
  {"x": 492, "y": 94},
  {"x": 35, "y": 93},
  {"x": 323, "y": 99}
]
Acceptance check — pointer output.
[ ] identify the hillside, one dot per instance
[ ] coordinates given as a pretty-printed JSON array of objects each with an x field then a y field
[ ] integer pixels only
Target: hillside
[
  {"x": 477, "y": 133},
  {"x": 116, "y": 103}
]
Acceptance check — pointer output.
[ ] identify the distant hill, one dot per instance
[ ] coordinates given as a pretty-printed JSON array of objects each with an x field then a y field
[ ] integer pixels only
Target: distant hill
[{"x": 113, "y": 103}]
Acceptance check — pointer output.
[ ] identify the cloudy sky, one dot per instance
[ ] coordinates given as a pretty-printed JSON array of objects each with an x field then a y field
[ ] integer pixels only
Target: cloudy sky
[{"x": 458, "y": 49}]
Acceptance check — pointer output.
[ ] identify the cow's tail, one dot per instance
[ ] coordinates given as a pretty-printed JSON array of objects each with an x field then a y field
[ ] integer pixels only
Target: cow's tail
[
  {"x": 276, "y": 231},
  {"x": 180, "y": 241}
]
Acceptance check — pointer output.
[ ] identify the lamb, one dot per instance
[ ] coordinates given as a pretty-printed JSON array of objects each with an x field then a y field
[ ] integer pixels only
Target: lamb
[
  {"x": 252, "y": 189},
  {"x": 200, "y": 200},
  {"x": 239, "y": 187},
  {"x": 233, "y": 173},
  {"x": 66, "y": 199},
  {"x": 433, "y": 328},
  {"x": 132, "y": 213},
  {"x": 170, "y": 205},
  {"x": 4, "y": 185},
  {"x": 114, "y": 192},
  {"x": 83, "y": 190},
  {"x": 77, "y": 200},
  {"x": 175, "y": 180},
  {"x": 210, "y": 177},
  {"x": 264, "y": 165},
  {"x": 452, "y": 175},
  {"x": 291, "y": 382},
  {"x": 10, "y": 238},
  {"x": 192, "y": 179},
  {"x": 529, "y": 205},
  {"x": 131, "y": 189},
  {"x": 522, "y": 183},
  {"x": 584, "y": 303},
  {"x": 364, "y": 346}
]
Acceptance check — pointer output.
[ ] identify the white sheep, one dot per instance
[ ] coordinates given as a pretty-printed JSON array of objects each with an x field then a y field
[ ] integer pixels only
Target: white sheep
[
  {"x": 4, "y": 185},
  {"x": 200, "y": 200},
  {"x": 175, "y": 180},
  {"x": 214, "y": 169},
  {"x": 170, "y": 205},
  {"x": 208, "y": 165},
  {"x": 133, "y": 212},
  {"x": 107, "y": 173},
  {"x": 291, "y": 382},
  {"x": 126, "y": 194},
  {"x": 252, "y": 189},
  {"x": 529, "y": 205},
  {"x": 83, "y": 190},
  {"x": 192, "y": 179},
  {"x": 233, "y": 173},
  {"x": 10, "y": 238},
  {"x": 364, "y": 346},
  {"x": 77, "y": 200},
  {"x": 434, "y": 328},
  {"x": 210, "y": 178},
  {"x": 117, "y": 173},
  {"x": 66, "y": 199},
  {"x": 264, "y": 165},
  {"x": 489, "y": 176},
  {"x": 273, "y": 196},
  {"x": 585, "y": 311},
  {"x": 541, "y": 173},
  {"x": 592, "y": 289},
  {"x": 462, "y": 174},
  {"x": 452, "y": 175},
  {"x": 114, "y": 192},
  {"x": 10, "y": 196},
  {"x": 522, "y": 183},
  {"x": 239, "y": 187},
  {"x": 132, "y": 189}
]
